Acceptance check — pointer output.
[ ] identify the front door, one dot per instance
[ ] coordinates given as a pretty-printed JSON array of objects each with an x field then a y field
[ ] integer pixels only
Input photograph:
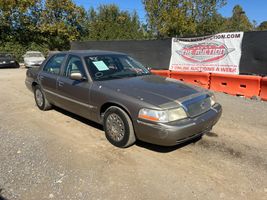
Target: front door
[{"x": 74, "y": 94}]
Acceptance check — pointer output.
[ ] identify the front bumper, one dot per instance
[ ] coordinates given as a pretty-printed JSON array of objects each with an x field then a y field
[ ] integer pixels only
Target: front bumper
[
  {"x": 177, "y": 132},
  {"x": 7, "y": 65},
  {"x": 30, "y": 65}
]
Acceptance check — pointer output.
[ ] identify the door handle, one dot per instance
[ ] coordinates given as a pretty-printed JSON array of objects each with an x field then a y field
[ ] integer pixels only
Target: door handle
[{"x": 60, "y": 83}]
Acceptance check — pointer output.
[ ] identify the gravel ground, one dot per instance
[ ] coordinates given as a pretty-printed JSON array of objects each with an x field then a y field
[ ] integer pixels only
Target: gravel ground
[{"x": 57, "y": 155}]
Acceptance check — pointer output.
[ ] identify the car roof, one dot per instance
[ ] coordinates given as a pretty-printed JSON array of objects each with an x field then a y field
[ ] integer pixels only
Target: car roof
[{"x": 91, "y": 52}]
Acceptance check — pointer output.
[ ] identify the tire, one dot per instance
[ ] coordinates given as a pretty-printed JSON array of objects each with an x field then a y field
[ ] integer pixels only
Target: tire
[
  {"x": 17, "y": 65},
  {"x": 118, "y": 127},
  {"x": 40, "y": 99}
]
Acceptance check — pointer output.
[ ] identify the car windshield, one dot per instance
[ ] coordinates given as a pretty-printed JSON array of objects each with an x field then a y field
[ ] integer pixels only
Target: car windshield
[
  {"x": 5, "y": 55},
  {"x": 34, "y": 55},
  {"x": 104, "y": 67}
]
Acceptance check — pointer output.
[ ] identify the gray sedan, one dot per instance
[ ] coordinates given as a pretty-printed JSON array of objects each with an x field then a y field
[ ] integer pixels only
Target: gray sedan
[{"x": 118, "y": 92}]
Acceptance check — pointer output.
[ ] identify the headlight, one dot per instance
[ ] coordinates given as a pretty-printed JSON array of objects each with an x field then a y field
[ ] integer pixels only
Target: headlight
[
  {"x": 162, "y": 116},
  {"x": 212, "y": 100},
  {"x": 176, "y": 114}
]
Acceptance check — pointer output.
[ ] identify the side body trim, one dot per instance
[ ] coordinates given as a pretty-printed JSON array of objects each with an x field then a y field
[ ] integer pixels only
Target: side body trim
[{"x": 69, "y": 99}]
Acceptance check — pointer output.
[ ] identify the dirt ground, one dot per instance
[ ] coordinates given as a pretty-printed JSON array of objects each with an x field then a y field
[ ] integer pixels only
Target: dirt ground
[{"x": 57, "y": 155}]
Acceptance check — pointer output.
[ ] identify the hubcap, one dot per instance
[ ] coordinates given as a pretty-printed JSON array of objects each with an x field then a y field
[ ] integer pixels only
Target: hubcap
[
  {"x": 115, "y": 127},
  {"x": 39, "y": 97}
]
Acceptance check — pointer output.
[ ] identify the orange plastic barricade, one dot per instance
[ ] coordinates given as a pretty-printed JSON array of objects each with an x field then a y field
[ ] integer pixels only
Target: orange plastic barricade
[
  {"x": 263, "y": 92},
  {"x": 243, "y": 85},
  {"x": 165, "y": 73},
  {"x": 201, "y": 79}
]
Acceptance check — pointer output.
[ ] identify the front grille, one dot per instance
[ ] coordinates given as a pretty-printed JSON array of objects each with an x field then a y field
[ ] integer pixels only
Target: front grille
[{"x": 197, "y": 105}]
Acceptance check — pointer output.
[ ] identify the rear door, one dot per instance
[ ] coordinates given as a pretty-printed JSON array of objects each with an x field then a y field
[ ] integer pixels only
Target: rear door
[
  {"x": 49, "y": 75},
  {"x": 74, "y": 94}
]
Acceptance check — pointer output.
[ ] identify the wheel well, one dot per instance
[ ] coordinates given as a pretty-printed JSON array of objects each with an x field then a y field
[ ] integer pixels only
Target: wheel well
[{"x": 105, "y": 106}]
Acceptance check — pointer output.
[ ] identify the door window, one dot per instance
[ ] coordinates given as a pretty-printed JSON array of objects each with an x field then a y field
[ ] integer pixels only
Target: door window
[
  {"x": 74, "y": 65},
  {"x": 54, "y": 64}
]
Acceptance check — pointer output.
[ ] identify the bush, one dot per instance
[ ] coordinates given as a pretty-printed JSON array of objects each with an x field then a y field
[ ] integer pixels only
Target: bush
[
  {"x": 18, "y": 50},
  {"x": 15, "y": 48}
]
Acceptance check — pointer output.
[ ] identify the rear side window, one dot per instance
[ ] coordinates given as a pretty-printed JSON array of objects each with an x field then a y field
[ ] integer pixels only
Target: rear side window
[{"x": 54, "y": 64}]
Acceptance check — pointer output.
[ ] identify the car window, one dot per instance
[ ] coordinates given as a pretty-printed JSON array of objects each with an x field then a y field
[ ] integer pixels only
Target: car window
[
  {"x": 73, "y": 65},
  {"x": 4, "y": 55},
  {"x": 54, "y": 64},
  {"x": 34, "y": 55}
]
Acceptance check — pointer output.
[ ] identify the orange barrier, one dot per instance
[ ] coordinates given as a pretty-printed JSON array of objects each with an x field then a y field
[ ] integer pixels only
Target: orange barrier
[
  {"x": 165, "y": 73},
  {"x": 263, "y": 90},
  {"x": 201, "y": 79},
  {"x": 244, "y": 85}
]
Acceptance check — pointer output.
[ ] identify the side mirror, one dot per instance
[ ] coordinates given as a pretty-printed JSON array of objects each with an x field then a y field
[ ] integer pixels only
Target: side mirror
[{"x": 77, "y": 76}]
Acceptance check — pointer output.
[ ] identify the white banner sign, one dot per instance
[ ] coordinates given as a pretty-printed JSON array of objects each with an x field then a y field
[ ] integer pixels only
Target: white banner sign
[{"x": 218, "y": 53}]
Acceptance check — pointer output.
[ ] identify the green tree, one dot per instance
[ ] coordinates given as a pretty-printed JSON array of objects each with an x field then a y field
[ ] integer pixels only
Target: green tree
[
  {"x": 16, "y": 18},
  {"x": 239, "y": 21},
  {"x": 184, "y": 18},
  {"x": 61, "y": 22},
  {"x": 206, "y": 16},
  {"x": 262, "y": 26},
  {"x": 51, "y": 24},
  {"x": 108, "y": 22},
  {"x": 19, "y": 26}
]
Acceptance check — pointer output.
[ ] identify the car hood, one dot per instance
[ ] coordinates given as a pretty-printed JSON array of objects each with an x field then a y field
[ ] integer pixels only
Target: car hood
[{"x": 158, "y": 91}]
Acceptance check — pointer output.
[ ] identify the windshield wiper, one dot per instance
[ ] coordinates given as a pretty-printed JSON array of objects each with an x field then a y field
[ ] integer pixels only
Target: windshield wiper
[
  {"x": 121, "y": 75},
  {"x": 116, "y": 76}
]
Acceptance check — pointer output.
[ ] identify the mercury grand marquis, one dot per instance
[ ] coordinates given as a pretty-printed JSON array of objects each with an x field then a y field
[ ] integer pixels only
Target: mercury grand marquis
[{"x": 115, "y": 90}]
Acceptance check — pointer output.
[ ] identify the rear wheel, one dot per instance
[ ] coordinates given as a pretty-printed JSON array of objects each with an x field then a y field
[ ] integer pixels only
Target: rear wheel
[
  {"x": 41, "y": 102},
  {"x": 118, "y": 127}
]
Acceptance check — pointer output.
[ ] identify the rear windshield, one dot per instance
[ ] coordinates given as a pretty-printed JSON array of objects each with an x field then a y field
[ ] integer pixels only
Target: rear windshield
[{"x": 34, "y": 55}]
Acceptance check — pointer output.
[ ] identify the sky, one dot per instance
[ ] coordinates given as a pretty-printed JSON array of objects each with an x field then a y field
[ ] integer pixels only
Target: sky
[{"x": 255, "y": 9}]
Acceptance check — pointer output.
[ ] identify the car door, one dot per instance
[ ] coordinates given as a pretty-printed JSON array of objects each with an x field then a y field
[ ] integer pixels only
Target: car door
[
  {"x": 74, "y": 94},
  {"x": 48, "y": 76}
]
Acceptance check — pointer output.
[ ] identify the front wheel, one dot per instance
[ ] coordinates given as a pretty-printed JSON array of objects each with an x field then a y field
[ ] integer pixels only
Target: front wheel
[
  {"x": 40, "y": 99},
  {"x": 118, "y": 127}
]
